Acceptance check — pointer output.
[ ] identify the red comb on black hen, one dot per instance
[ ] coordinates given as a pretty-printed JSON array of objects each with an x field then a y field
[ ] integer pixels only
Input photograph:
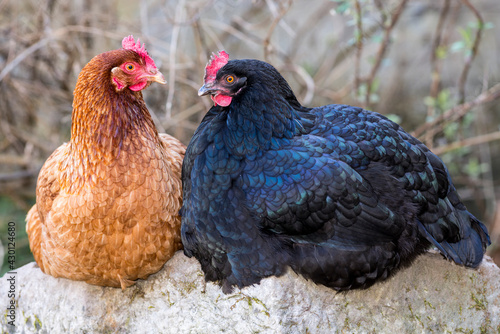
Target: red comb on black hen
[{"x": 341, "y": 195}]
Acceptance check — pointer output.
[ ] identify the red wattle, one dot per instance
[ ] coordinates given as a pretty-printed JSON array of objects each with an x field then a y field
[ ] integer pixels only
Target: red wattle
[
  {"x": 221, "y": 100},
  {"x": 138, "y": 86}
]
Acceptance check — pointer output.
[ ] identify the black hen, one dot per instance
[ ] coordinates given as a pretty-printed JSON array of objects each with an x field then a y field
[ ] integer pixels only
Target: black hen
[{"x": 340, "y": 194}]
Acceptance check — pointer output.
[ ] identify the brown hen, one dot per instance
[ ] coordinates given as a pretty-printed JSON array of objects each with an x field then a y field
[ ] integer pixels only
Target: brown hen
[{"x": 107, "y": 209}]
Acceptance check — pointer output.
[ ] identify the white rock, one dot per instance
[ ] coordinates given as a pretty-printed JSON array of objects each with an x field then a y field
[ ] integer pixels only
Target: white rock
[{"x": 432, "y": 295}]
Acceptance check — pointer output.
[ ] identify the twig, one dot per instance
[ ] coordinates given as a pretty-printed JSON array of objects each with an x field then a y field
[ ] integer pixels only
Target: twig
[
  {"x": 22, "y": 56},
  {"x": 380, "y": 7},
  {"x": 200, "y": 43},
  {"x": 383, "y": 48},
  {"x": 10, "y": 135},
  {"x": 359, "y": 46},
  {"x": 485, "y": 156},
  {"x": 308, "y": 81},
  {"x": 267, "y": 40},
  {"x": 308, "y": 26},
  {"x": 186, "y": 113},
  {"x": 179, "y": 17},
  {"x": 460, "y": 110},
  {"x": 55, "y": 35},
  {"x": 435, "y": 61},
  {"x": 467, "y": 142},
  {"x": 342, "y": 55},
  {"x": 470, "y": 58},
  {"x": 255, "y": 40},
  {"x": 439, "y": 42}
]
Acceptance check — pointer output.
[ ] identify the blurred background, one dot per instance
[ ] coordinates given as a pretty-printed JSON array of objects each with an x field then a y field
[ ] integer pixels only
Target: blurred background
[{"x": 432, "y": 66}]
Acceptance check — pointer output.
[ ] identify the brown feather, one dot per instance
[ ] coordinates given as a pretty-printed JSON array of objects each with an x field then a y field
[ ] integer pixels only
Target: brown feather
[{"x": 108, "y": 201}]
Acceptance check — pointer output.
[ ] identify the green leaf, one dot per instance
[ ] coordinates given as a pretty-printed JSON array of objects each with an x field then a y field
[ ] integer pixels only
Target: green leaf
[
  {"x": 457, "y": 46},
  {"x": 377, "y": 38},
  {"x": 429, "y": 101},
  {"x": 474, "y": 169},
  {"x": 444, "y": 101},
  {"x": 441, "y": 52},
  {"x": 450, "y": 131},
  {"x": 344, "y": 7},
  {"x": 488, "y": 25}
]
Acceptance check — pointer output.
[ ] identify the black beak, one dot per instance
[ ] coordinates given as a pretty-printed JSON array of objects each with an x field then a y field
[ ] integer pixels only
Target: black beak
[{"x": 206, "y": 89}]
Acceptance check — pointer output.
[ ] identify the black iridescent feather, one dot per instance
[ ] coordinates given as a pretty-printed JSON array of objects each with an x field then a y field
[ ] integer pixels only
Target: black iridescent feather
[{"x": 342, "y": 195}]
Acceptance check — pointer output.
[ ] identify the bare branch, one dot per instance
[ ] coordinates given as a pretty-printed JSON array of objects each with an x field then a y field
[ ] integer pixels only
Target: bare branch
[
  {"x": 359, "y": 46},
  {"x": 440, "y": 42},
  {"x": 382, "y": 49},
  {"x": 179, "y": 15},
  {"x": 22, "y": 56},
  {"x": 470, "y": 57},
  {"x": 308, "y": 81},
  {"x": 233, "y": 31},
  {"x": 55, "y": 35},
  {"x": 461, "y": 110},
  {"x": 468, "y": 142},
  {"x": 435, "y": 61},
  {"x": 308, "y": 26},
  {"x": 267, "y": 40}
]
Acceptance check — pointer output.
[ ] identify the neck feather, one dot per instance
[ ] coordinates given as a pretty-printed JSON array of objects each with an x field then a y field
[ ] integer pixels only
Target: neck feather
[
  {"x": 106, "y": 124},
  {"x": 259, "y": 124}
]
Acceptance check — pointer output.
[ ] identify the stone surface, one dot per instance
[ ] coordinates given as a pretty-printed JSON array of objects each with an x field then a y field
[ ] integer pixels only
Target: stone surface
[{"x": 431, "y": 296}]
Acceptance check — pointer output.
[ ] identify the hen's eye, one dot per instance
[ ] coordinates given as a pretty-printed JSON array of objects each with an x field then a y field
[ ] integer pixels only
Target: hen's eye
[
  {"x": 130, "y": 67},
  {"x": 230, "y": 78}
]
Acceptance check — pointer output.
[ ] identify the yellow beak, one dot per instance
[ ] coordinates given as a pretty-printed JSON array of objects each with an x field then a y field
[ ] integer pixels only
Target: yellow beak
[{"x": 158, "y": 77}]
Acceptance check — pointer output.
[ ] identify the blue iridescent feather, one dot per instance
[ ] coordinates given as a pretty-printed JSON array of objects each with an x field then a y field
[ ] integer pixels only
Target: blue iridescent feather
[{"x": 341, "y": 195}]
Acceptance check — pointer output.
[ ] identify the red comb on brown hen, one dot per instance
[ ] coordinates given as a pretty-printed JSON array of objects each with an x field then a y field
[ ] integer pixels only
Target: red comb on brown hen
[{"x": 128, "y": 43}]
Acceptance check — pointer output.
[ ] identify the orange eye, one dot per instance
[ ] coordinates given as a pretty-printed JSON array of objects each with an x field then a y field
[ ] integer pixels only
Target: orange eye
[
  {"x": 130, "y": 67},
  {"x": 229, "y": 78}
]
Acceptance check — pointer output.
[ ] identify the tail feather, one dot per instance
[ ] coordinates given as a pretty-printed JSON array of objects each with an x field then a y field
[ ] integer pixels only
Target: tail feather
[{"x": 469, "y": 250}]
